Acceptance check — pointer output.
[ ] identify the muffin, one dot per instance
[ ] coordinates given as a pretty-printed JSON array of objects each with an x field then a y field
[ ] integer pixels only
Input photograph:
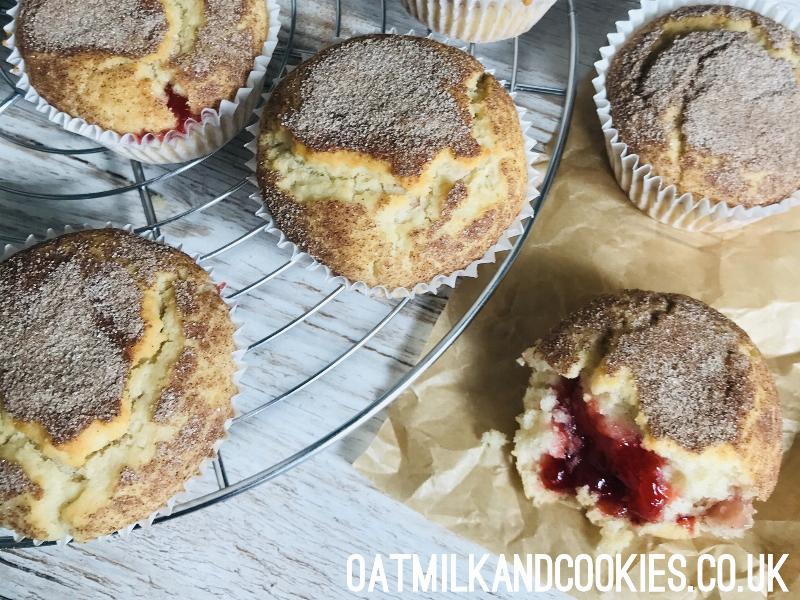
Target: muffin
[
  {"x": 116, "y": 379},
  {"x": 478, "y": 20},
  {"x": 141, "y": 67},
  {"x": 655, "y": 414},
  {"x": 706, "y": 97},
  {"x": 391, "y": 159}
]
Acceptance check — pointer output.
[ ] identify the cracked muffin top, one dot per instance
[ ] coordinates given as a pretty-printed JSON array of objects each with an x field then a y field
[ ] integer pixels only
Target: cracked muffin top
[
  {"x": 139, "y": 66},
  {"x": 708, "y": 95},
  {"x": 673, "y": 348},
  {"x": 392, "y": 159},
  {"x": 116, "y": 378},
  {"x": 655, "y": 413}
]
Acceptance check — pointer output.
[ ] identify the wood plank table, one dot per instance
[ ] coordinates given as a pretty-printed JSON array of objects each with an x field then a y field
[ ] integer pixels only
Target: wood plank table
[{"x": 289, "y": 538}]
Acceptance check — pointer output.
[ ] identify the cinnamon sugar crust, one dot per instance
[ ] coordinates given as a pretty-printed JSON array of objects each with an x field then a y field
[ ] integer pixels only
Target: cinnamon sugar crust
[
  {"x": 130, "y": 66},
  {"x": 131, "y": 28},
  {"x": 14, "y": 482},
  {"x": 115, "y": 381},
  {"x": 392, "y": 159},
  {"x": 699, "y": 380},
  {"x": 676, "y": 348},
  {"x": 706, "y": 95},
  {"x": 64, "y": 282},
  {"x": 365, "y": 95}
]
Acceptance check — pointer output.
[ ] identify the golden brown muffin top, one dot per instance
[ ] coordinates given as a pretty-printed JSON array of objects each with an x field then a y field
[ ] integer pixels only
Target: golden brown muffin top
[
  {"x": 116, "y": 379},
  {"x": 225, "y": 42},
  {"x": 70, "y": 313},
  {"x": 392, "y": 159},
  {"x": 124, "y": 27},
  {"x": 139, "y": 66},
  {"x": 696, "y": 372},
  {"x": 707, "y": 95},
  {"x": 364, "y": 95}
]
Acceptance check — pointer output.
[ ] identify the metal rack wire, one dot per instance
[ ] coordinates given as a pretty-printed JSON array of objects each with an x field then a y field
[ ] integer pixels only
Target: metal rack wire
[{"x": 286, "y": 52}]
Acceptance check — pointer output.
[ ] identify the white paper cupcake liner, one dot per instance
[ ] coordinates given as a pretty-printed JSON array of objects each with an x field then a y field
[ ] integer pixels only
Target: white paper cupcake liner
[
  {"x": 478, "y": 20},
  {"x": 216, "y": 127},
  {"x": 238, "y": 358},
  {"x": 503, "y": 244},
  {"x": 656, "y": 197}
]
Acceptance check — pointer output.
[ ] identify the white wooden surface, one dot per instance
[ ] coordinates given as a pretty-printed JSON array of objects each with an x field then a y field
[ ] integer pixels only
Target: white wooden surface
[{"x": 289, "y": 538}]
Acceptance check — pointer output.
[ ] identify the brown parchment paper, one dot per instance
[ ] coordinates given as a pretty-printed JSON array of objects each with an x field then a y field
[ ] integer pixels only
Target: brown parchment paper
[{"x": 588, "y": 239}]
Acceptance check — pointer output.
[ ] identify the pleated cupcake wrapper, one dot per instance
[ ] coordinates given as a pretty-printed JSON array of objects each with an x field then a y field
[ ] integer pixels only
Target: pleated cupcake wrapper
[
  {"x": 645, "y": 189},
  {"x": 238, "y": 357},
  {"x": 478, "y": 20},
  {"x": 216, "y": 128},
  {"x": 309, "y": 262}
]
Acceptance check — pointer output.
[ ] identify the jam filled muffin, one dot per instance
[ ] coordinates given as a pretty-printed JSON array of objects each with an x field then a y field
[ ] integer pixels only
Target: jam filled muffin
[
  {"x": 708, "y": 96},
  {"x": 116, "y": 379},
  {"x": 392, "y": 159},
  {"x": 139, "y": 66},
  {"x": 654, "y": 413}
]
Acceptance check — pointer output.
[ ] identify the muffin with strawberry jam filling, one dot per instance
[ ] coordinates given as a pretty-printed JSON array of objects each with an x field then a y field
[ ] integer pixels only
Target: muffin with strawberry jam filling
[{"x": 655, "y": 414}]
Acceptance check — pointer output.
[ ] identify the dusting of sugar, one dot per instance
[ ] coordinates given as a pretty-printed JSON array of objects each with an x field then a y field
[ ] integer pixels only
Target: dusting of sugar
[
  {"x": 220, "y": 42},
  {"x": 692, "y": 377},
  {"x": 128, "y": 476},
  {"x": 735, "y": 96},
  {"x": 170, "y": 399},
  {"x": 732, "y": 98},
  {"x": 125, "y": 27},
  {"x": 14, "y": 481},
  {"x": 397, "y": 98},
  {"x": 70, "y": 310},
  {"x": 740, "y": 107}
]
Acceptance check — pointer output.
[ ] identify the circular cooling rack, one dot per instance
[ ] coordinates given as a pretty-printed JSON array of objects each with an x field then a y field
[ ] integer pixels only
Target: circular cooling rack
[{"x": 322, "y": 360}]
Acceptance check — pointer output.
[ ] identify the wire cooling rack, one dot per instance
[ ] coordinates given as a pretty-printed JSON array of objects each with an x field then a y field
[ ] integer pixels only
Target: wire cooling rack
[{"x": 287, "y": 53}]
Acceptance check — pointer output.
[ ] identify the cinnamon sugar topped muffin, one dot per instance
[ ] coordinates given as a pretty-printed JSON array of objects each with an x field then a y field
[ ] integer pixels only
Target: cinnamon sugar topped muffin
[
  {"x": 707, "y": 95},
  {"x": 116, "y": 379},
  {"x": 139, "y": 66},
  {"x": 392, "y": 159},
  {"x": 654, "y": 413}
]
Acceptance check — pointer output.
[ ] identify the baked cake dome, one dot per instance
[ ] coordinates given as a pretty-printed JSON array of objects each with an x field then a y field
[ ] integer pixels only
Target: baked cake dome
[
  {"x": 139, "y": 66},
  {"x": 116, "y": 379},
  {"x": 392, "y": 159},
  {"x": 708, "y": 96},
  {"x": 655, "y": 414}
]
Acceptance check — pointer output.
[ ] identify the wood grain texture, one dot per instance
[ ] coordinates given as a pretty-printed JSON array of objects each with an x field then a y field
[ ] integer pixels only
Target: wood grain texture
[{"x": 289, "y": 538}]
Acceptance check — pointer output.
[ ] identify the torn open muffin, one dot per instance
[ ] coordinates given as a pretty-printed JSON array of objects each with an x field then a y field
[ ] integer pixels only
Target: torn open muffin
[{"x": 653, "y": 412}]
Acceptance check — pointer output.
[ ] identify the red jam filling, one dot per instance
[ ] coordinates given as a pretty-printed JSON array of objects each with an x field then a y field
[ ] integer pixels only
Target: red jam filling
[
  {"x": 179, "y": 105},
  {"x": 606, "y": 456}
]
